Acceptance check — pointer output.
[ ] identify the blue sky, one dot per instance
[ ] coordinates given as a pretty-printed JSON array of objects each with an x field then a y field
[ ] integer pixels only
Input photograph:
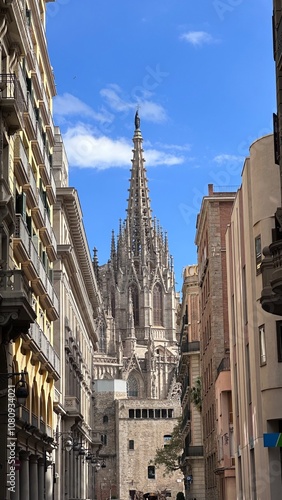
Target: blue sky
[{"x": 202, "y": 73}]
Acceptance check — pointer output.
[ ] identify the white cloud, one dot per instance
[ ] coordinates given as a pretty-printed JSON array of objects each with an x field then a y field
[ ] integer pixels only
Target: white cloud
[
  {"x": 197, "y": 38},
  {"x": 68, "y": 105},
  {"x": 149, "y": 110},
  {"x": 225, "y": 158},
  {"x": 85, "y": 149}
]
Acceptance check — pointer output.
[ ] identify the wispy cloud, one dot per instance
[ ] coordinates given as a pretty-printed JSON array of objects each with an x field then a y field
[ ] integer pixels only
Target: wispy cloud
[
  {"x": 67, "y": 105},
  {"x": 86, "y": 149},
  {"x": 226, "y": 158},
  {"x": 197, "y": 38},
  {"x": 150, "y": 110}
]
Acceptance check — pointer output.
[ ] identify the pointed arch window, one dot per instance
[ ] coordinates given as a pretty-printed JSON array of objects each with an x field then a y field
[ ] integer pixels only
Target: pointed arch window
[
  {"x": 135, "y": 304},
  {"x": 158, "y": 305},
  {"x": 132, "y": 387}
]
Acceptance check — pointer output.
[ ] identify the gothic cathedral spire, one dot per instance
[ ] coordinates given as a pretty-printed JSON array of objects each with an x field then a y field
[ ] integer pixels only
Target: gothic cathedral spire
[{"x": 139, "y": 227}]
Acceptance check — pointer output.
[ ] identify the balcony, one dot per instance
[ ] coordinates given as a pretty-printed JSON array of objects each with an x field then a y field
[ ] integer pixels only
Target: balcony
[
  {"x": 12, "y": 102},
  {"x": 24, "y": 250},
  {"x": 38, "y": 213},
  {"x": 271, "y": 269},
  {"x": 50, "y": 131},
  {"x": 223, "y": 366},
  {"x": 26, "y": 254},
  {"x": 72, "y": 407},
  {"x": 45, "y": 169},
  {"x": 30, "y": 189},
  {"x": 51, "y": 190},
  {"x": 21, "y": 164},
  {"x": 190, "y": 347},
  {"x": 30, "y": 118},
  {"x": 193, "y": 451},
  {"x": 16, "y": 304},
  {"x": 38, "y": 146},
  {"x": 40, "y": 344},
  {"x": 36, "y": 77},
  {"x": 44, "y": 106}
]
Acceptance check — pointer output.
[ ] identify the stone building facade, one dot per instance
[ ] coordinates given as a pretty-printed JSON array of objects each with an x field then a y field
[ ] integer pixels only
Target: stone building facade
[
  {"x": 139, "y": 347},
  {"x": 255, "y": 335},
  {"x": 76, "y": 338},
  {"x": 212, "y": 222},
  {"x": 189, "y": 374}
]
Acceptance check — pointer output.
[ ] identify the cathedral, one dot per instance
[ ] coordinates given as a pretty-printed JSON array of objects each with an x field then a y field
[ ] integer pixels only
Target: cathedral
[{"x": 136, "y": 396}]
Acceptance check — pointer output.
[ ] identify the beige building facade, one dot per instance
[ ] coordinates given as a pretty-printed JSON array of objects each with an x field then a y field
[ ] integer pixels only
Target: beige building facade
[
  {"x": 29, "y": 304},
  {"x": 189, "y": 375},
  {"x": 255, "y": 335}
]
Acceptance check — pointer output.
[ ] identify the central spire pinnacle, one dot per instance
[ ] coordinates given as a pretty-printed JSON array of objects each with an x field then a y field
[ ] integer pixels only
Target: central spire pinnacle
[
  {"x": 137, "y": 121},
  {"x": 139, "y": 211}
]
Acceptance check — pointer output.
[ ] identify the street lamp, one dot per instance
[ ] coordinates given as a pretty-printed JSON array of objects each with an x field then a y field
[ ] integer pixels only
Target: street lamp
[
  {"x": 21, "y": 387},
  {"x": 68, "y": 444},
  {"x": 21, "y": 390}
]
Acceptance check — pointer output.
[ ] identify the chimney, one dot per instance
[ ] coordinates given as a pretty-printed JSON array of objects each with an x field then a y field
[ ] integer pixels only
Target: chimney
[{"x": 210, "y": 188}]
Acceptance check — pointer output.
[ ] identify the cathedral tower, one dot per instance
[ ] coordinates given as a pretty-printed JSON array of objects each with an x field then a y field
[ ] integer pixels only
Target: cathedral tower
[{"x": 135, "y": 366}]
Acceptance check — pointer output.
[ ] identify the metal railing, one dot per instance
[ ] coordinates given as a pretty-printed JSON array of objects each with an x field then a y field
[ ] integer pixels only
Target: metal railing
[
  {"x": 10, "y": 90},
  {"x": 13, "y": 281},
  {"x": 45, "y": 346},
  {"x": 194, "y": 451},
  {"x": 190, "y": 346}
]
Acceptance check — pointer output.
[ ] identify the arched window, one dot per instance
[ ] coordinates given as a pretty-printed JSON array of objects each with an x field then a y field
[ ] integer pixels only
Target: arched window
[
  {"x": 132, "y": 387},
  {"x": 105, "y": 419},
  {"x": 135, "y": 304},
  {"x": 157, "y": 305}
]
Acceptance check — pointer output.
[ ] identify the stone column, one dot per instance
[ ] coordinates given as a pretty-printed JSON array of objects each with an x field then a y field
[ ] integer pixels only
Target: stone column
[
  {"x": 24, "y": 476},
  {"x": 16, "y": 494},
  {"x": 41, "y": 479},
  {"x": 33, "y": 477},
  {"x": 49, "y": 483}
]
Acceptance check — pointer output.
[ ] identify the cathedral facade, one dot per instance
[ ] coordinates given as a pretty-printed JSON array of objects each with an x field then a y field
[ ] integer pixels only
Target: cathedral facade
[{"x": 136, "y": 397}]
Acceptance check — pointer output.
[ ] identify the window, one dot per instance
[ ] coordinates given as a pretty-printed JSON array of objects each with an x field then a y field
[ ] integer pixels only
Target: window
[
  {"x": 131, "y": 413},
  {"x": 157, "y": 305},
  {"x": 167, "y": 438},
  {"x": 151, "y": 472},
  {"x": 262, "y": 348},
  {"x": 131, "y": 444},
  {"x": 258, "y": 253},
  {"x": 104, "y": 439},
  {"x": 132, "y": 387},
  {"x": 105, "y": 419},
  {"x": 279, "y": 340}
]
